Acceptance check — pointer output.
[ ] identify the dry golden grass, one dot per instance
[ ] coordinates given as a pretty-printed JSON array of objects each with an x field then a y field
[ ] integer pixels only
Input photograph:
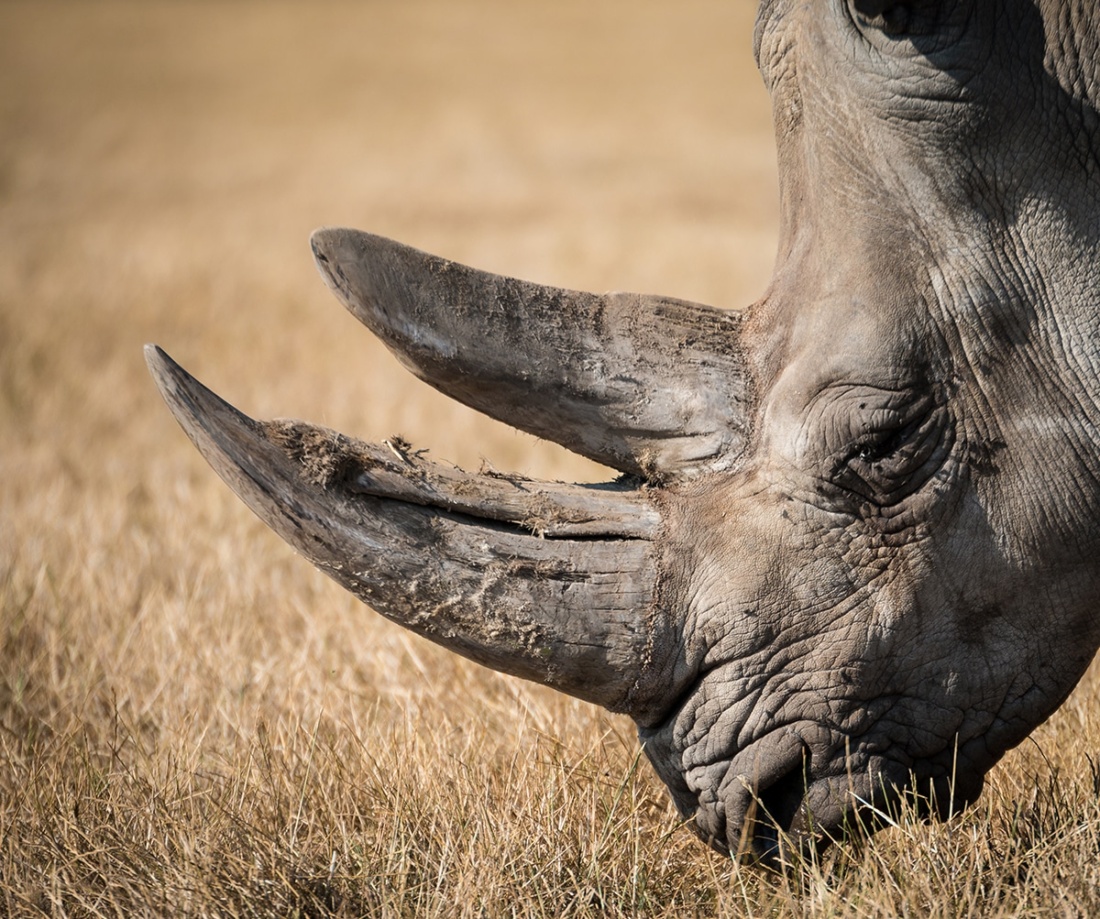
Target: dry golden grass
[{"x": 192, "y": 721}]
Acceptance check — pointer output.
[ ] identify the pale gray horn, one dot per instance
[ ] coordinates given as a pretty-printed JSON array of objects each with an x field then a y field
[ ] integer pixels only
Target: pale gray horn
[
  {"x": 647, "y": 385},
  {"x": 545, "y": 581}
]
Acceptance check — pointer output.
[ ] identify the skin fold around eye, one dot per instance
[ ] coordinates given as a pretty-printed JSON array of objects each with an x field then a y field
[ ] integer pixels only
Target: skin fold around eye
[{"x": 891, "y": 440}]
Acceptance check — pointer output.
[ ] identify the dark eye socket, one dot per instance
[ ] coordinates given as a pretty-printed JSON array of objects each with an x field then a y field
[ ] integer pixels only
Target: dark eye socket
[
  {"x": 892, "y": 458},
  {"x": 883, "y": 444}
]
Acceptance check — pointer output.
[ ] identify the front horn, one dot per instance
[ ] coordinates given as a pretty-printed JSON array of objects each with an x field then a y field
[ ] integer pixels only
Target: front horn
[{"x": 550, "y": 582}]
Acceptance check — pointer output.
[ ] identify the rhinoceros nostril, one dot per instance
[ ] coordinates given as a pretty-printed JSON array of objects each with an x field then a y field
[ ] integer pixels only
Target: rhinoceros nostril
[{"x": 776, "y": 807}]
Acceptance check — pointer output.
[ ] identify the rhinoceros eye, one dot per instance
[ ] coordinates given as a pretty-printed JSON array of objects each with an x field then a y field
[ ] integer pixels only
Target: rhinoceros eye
[{"x": 893, "y": 452}]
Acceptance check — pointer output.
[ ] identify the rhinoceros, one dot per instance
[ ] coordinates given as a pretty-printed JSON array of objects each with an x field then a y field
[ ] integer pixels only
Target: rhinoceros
[{"x": 853, "y": 555}]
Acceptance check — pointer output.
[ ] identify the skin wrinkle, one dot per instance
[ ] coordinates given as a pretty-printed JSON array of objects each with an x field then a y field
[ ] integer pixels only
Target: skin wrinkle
[
  {"x": 1054, "y": 372},
  {"x": 931, "y": 85},
  {"x": 705, "y": 732},
  {"x": 1072, "y": 59},
  {"x": 1053, "y": 361}
]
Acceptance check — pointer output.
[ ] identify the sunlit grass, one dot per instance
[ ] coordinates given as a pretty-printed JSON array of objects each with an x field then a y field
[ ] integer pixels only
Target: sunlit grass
[{"x": 192, "y": 721}]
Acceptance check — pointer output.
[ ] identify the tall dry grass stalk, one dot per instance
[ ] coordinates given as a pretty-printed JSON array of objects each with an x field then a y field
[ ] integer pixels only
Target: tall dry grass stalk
[{"x": 192, "y": 721}]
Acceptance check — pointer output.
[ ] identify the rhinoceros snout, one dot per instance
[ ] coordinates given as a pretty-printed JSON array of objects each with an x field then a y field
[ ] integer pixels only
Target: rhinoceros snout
[{"x": 775, "y": 816}]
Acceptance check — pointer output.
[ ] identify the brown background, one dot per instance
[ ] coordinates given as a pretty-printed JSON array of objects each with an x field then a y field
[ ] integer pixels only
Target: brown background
[{"x": 189, "y": 712}]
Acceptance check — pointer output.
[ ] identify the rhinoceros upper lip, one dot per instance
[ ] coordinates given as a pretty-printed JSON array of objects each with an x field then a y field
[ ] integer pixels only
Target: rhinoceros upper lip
[
  {"x": 778, "y": 806},
  {"x": 787, "y": 794},
  {"x": 769, "y": 784},
  {"x": 798, "y": 804}
]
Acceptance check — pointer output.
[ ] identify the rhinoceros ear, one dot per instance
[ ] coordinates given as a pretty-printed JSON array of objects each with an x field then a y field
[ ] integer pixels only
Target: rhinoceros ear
[
  {"x": 902, "y": 17},
  {"x": 650, "y": 386}
]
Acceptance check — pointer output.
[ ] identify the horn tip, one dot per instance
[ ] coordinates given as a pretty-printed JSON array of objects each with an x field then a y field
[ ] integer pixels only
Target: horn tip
[{"x": 166, "y": 373}]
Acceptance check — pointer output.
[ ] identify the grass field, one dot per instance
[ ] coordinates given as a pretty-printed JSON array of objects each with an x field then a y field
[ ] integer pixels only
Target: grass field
[{"x": 194, "y": 722}]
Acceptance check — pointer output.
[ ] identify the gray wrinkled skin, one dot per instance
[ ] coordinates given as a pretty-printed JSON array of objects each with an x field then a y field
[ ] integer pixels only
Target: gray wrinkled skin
[
  {"x": 871, "y": 552},
  {"x": 901, "y": 577}
]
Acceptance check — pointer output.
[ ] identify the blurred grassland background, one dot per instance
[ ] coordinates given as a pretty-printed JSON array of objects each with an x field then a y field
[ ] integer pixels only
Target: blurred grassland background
[{"x": 192, "y": 720}]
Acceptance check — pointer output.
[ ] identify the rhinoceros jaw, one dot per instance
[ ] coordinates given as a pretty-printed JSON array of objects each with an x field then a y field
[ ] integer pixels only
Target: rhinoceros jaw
[{"x": 541, "y": 580}]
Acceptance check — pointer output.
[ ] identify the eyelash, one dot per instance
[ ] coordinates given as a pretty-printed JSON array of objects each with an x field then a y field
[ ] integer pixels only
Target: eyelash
[{"x": 874, "y": 450}]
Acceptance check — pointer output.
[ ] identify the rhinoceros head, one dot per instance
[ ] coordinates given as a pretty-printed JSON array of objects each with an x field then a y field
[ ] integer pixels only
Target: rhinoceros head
[{"x": 855, "y": 550}]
